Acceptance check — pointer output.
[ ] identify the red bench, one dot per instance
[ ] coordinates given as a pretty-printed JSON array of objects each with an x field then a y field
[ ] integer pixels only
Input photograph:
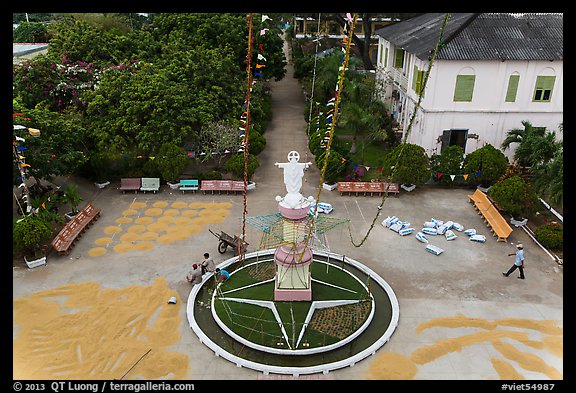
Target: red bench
[
  {"x": 365, "y": 188},
  {"x": 73, "y": 230},
  {"x": 227, "y": 186},
  {"x": 130, "y": 184}
]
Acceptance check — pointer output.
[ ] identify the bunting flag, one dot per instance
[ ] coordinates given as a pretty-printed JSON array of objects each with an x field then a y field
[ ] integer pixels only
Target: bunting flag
[
  {"x": 265, "y": 17},
  {"x": 439, "y": 175},
  {"x": 465, "y": 176},
  {"x": 452, "y": 177}
]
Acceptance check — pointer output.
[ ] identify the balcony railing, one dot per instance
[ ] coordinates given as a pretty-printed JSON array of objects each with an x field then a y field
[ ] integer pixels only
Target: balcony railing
[{"x": 398, "y": 76}]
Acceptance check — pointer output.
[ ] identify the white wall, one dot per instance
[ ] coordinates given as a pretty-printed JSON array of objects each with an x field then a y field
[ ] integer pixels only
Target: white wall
[{"x": 487, "y": 115}]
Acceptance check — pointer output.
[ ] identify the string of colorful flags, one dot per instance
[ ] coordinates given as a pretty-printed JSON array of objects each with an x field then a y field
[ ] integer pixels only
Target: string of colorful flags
[
  {"x": 260, "y": 60},
  {"x": 19, "y": 150}
]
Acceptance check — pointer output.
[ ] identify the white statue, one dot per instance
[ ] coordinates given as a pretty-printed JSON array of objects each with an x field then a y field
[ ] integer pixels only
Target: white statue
[{"x": 293, "y": 174}]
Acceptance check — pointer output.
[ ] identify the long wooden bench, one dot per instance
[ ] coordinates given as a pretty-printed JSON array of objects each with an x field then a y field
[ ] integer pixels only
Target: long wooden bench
[
  {"x": 368, "y": 188},
  {"x": 492, "y": 217},
  {"x": 227, "y": 186},
  {"x": 73, "y": 230},
  {"x": 130, "y": 184}
]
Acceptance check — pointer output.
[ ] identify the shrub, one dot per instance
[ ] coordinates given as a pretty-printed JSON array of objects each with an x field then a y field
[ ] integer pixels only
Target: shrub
[
  {"x": 407, "y": 163},
  {"x": 212, "y": 174},
  {"x": 515, "y": 196},
  {"x": 29, "y": 233},
  {"x": 257, "y": 143},
  {"x": 550, "y": 235},
  {"x": 235, "y": 165},
  {"x": 485, "y": 165},
  {"x": 171, "y": 161},
  {"x": 449, "y": 162},
  {"x": 334, "y": 167}
]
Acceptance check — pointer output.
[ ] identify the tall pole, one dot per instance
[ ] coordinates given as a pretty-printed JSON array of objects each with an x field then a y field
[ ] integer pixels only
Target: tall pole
[{"x": 246, "y": 135}]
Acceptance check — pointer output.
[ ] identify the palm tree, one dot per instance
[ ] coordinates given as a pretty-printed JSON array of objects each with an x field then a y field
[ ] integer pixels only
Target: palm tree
[{"x": 536, "y": 146}]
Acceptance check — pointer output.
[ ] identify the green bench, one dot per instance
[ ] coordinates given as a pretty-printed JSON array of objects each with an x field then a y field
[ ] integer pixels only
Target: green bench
[{"x": 188, "y": 185}]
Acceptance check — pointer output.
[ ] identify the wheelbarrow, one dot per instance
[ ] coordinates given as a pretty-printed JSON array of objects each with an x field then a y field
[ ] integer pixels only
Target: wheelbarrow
[{"x": 228, "y": 241}]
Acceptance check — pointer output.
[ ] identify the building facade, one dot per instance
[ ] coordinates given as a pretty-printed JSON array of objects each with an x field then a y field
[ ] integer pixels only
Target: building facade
[{"x": 492, "y": 72}]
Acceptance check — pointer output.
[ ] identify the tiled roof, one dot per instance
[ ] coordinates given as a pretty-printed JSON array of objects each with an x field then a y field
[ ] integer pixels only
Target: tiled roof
[{"x": 484, "y": 36}]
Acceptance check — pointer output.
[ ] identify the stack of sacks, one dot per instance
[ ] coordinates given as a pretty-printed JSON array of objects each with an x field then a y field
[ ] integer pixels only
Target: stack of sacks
[
  {"x": 400, "y": 227},
  {"x": 388, "y": 221}
]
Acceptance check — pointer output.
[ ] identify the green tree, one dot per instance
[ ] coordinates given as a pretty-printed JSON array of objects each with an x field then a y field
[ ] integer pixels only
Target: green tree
[
  {"x": 235, "y": 165},
  {"x": 28, "y": 233},
  {"x": 58, "y": 151},
  {"x": 536, "y": 145},
  {"x": 170, "y": 161},
  {"x": 407, "y": 164},
  {"x": 515, "y": 196},
  {"x": 485, "y": 165},
  {"x": 549, "y": 179},
  {"x": 72, "y": 196},
  {"x": 33, "y": 32}
]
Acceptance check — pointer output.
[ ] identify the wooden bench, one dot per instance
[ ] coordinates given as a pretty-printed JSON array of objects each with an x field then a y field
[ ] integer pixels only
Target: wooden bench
[
  {"x": 227, "y": 186},
  {"x": 492, "y": 217},
  {"x": 130, "y": 184},
  {"x": 365, "y": 188},
  {"x": 188, "y": 185},
  {"x": 73, "y": 230},
  {"x": 150, "y": 184},
  {"x": 216, "y": 185}
]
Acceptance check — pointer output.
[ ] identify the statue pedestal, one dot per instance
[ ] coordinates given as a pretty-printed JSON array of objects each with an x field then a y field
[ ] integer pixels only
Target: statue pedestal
[
  {"x": 294, "y": 213},
  {"x": 293, "y": 281}
]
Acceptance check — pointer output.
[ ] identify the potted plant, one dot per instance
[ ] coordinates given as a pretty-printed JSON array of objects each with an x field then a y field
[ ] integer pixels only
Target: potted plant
[
  {"x": 73, "y": 197},
  {"x": 29, "y": 232}
]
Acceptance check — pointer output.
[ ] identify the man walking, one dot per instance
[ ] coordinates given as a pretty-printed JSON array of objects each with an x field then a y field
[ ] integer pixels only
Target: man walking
[{"x": 518, "y": 262}]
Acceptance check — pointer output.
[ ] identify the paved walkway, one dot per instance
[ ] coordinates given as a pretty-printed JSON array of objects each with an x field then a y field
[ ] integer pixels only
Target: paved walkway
[{"x": 459, "y": 318}]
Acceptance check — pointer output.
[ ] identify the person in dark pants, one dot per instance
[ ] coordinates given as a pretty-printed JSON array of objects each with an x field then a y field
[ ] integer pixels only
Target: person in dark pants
[{"x": 518, "y": 262}]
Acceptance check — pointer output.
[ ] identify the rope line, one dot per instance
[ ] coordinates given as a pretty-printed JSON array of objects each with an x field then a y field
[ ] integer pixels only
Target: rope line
[{"x": 413, "y": 116}]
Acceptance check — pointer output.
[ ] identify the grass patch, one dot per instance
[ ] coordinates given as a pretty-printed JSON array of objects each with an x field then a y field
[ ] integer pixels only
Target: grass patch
[{"x": 258, "y": 325}]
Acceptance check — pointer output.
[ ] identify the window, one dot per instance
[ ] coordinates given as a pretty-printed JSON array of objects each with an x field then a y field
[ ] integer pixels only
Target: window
[
  {"x": 543, "y": 89},
  {"x": 399, "y": 58},
  {"x": 512, "y": 88},
  {"x": 417, "y": 80},
  {"x": 464, "y": 89}
]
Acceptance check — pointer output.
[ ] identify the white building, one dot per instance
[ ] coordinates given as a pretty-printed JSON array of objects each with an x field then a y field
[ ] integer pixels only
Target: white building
[{"x": 492, "y": 72}]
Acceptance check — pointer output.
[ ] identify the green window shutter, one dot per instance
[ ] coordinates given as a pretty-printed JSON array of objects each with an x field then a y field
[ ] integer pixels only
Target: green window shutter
[
  {"x": 464, "y": 88},
  {"x": 512, "y": 88},
  {"x": 420, "y": 82},
  {"x": 543, "y": 88},
  {"x": 386, "y": 57},
  {"x": 399, "y": 58},
  {"x": 415, "y": 79}
]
